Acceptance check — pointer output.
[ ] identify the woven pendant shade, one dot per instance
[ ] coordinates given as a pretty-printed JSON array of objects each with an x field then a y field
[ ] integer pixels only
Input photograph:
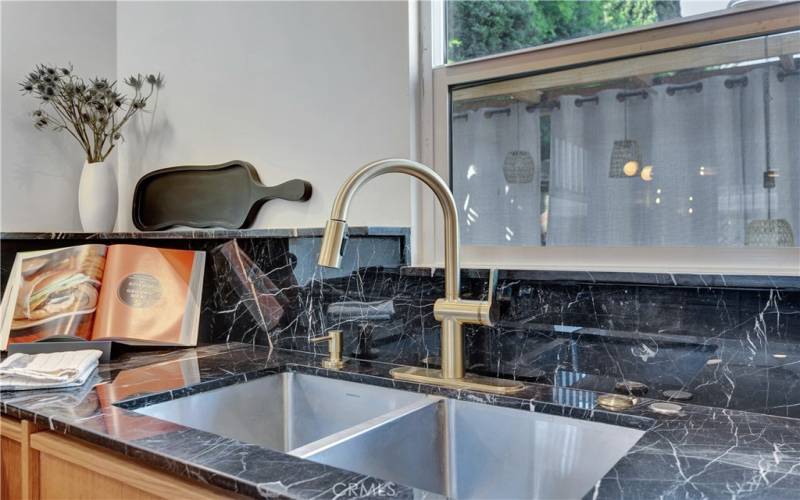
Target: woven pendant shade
[
  {"x": 625, "y": 159},
  {"x": 769, "y": 233},
  {"x": 518, "y": 167}
]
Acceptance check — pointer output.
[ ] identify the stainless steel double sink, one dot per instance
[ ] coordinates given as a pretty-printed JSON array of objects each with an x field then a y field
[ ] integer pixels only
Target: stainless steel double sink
[{"x": 454, "y": 448}]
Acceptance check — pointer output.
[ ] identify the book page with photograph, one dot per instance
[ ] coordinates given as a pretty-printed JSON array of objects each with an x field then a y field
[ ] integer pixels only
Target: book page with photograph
[
  {"x": 150, "y": 295},
  {"x": 52, "y": 292}
]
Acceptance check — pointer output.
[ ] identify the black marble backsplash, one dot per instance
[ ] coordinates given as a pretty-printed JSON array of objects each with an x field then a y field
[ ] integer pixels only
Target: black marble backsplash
[{"x": 728, "y": 341}]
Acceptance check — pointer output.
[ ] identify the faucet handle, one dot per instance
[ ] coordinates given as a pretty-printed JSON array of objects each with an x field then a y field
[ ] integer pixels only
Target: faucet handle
[{"x": 489, "y": 309}]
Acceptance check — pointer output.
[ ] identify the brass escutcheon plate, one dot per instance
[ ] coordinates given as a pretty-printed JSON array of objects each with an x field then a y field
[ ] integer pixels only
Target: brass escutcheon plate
[{"x": 469, "y": 382}]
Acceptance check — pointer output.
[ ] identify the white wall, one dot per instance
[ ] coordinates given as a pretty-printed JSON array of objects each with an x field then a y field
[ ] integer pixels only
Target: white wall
[
  {"x": 39, "y": 170},
  {"x": 299, "y": 89}
]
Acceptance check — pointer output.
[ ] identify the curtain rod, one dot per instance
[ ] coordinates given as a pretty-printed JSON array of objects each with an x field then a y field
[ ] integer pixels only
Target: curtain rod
[
  {"x": 733, "y": 82},
  {"x": 545, "y": 105},
  {"x": 580, "y": 101},
  {"x": 783, "y": 74},
  {"x": 622, "y": 96},
  {"x": 492, "y": 112},
  {"x": 552, "y": 104},
  {"x": 673, "y": 89}
]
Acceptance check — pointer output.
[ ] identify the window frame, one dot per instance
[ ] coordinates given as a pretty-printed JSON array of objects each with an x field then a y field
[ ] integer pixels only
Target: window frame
[{"x": 435, "y": 84}]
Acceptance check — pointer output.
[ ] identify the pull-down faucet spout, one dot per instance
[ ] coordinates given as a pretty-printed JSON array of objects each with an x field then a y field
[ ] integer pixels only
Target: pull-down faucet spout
[
  {"x": 451, "y": 311},
  {"x": 333, "y": 240}
]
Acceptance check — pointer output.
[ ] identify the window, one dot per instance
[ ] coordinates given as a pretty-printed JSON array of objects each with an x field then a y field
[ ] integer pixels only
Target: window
[
  {"x": 649, "y": 151},
  {"x": 669, "y": 147},
  {"x": 478, "y": 28}
]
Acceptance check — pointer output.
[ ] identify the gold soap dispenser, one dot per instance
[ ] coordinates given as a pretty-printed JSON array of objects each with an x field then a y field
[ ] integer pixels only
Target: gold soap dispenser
[{"x": 334, "y": 360}]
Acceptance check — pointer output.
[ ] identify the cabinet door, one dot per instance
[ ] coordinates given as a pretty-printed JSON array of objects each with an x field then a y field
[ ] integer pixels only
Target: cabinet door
[
  {"x": 10, "y": 459},
  {"x": 70, "y": 469},
  {"x": 61, "y": 479}
]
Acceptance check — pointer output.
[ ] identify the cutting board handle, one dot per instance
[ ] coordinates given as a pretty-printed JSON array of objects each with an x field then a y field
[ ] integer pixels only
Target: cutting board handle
[{"x": 293, "y": 190}]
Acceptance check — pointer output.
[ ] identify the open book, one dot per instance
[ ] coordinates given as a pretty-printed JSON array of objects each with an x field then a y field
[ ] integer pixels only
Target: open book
[{"x": 98, "y": 292}]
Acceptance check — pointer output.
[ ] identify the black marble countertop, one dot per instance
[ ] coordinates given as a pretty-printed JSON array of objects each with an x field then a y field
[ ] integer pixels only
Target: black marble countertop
[
  {"x": 189, "y": 233},
  {"x": 702, "y": 453}
]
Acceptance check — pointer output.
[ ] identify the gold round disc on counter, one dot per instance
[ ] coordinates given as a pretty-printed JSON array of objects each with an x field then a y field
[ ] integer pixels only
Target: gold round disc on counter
[{"x": 616, "y": 402}]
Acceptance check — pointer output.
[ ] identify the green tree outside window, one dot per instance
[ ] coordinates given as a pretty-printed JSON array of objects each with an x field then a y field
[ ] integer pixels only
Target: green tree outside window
[{"x": 479, "y": 28}]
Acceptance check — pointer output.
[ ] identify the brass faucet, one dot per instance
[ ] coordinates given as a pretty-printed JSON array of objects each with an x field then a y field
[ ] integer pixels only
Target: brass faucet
[
  {"x": 452, "y": 311},
  {"x": 334, "y": 360}
]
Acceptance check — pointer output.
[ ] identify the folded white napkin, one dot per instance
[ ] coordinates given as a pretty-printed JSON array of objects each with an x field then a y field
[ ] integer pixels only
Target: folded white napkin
[{"x": 46, "y": 371}]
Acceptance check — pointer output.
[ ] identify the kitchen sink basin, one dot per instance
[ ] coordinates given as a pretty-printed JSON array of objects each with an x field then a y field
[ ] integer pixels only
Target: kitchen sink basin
[
  {"x": 282, "y": 411},
  {"x": 453, "y": 448},
  {"x": 469, "y": 450}
]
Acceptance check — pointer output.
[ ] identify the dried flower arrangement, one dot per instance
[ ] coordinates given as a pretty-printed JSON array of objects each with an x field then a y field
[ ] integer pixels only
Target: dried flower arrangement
[{"x": 93, "y": 112}]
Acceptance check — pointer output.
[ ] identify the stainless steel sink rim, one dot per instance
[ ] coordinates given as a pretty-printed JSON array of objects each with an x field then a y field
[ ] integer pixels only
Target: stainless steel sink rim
[
  {"x": 442, "y": 474},
  {"x": 443, "y": 447},
  {"x": 281, "y": 411}
]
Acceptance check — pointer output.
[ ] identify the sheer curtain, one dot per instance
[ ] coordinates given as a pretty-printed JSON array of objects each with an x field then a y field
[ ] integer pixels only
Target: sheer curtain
[
  {"x": 587, "y": 206},
  {"x": 493, "y": 210},
  {"x": 695, "y": 150},
  {"x": 707, "y": 153},
  {"x": 571, "y": 171},
  {"x": 704, "y": 149},
  {"x": 785, "y": 147}
]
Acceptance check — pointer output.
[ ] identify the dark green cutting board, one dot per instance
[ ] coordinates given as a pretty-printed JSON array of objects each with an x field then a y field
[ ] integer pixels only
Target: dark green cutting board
[{"x": 228, "y": 195}]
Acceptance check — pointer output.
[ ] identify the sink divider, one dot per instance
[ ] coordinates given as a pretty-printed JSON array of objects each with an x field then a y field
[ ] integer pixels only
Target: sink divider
[{"x": 337, "y": 438}]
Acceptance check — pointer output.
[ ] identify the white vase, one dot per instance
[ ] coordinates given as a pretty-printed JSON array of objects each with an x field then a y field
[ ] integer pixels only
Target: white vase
[{"x": 97, "y": 197}]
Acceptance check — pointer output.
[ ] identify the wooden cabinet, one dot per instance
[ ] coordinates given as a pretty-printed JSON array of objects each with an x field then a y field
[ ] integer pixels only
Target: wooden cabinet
[
  {"x": 46, "y": 465},
  {"x": 10, "y": 459},
  {"x": 15, "y": 464}
]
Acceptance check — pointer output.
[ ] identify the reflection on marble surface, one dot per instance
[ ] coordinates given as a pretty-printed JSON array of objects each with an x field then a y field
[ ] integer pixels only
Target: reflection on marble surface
[
  {"x": 702, "y": 452},
  {"x": 735, "y": 347},
  {"x": 730, "y": 341}
]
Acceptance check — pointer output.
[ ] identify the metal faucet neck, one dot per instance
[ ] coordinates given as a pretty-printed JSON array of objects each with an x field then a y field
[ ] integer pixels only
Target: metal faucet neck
[
  {"x": 451, "y": 311},
  {"x": 341, "y": 206}
]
